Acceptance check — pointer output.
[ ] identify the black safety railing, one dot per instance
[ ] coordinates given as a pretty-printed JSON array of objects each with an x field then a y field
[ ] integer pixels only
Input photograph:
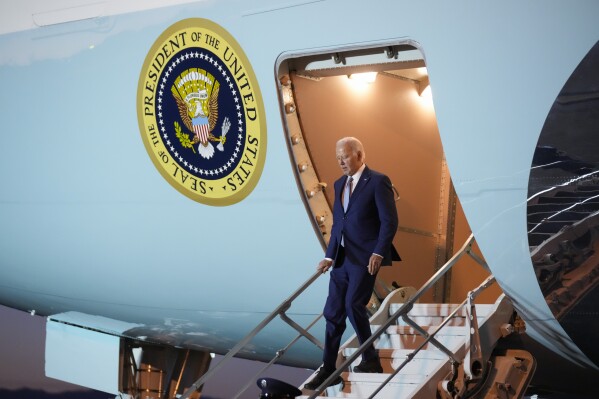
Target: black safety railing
[{"x": 303, "y": 332}]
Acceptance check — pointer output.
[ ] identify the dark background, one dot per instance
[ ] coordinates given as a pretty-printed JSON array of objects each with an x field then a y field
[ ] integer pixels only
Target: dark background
[
  {"x": 22, "y": 340},
  {"x": 22, "y": 343}
]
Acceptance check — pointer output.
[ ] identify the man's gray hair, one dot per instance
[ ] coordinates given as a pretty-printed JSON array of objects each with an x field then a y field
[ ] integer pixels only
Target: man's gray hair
[{"x": 354, "y": 144}]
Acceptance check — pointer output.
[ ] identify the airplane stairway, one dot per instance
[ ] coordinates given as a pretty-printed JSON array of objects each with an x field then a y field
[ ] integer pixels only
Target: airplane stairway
[
  {"x": 446, "y": 351},
  {"x": 420, "y": 377}
]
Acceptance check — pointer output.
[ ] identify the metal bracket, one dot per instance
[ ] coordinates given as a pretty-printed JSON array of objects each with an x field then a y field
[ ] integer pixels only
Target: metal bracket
[
  {"x": 339, "y": 58},
  {"x": 473, "y": 362},
  {"x": 301, "y": 330}
]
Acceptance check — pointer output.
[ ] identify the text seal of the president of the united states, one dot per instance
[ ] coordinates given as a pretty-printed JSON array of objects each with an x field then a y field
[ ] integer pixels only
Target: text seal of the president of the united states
[{"x": 201, "y": 114}]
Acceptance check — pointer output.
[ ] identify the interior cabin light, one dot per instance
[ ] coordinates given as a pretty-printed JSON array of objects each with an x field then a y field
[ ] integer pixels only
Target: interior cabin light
[
  {"x": 320, "y": 219},
  {"x": 365, "y": 77},
  {"x": 424, "y": 88},
  {"x": 426, "y": 93},
  {"x": 295, "y": 140}
]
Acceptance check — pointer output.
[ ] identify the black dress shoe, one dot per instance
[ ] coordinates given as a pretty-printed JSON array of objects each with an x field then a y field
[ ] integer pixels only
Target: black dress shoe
[
  {"x": 369, "y": 366},
  {"x": 320, "y": 377}
]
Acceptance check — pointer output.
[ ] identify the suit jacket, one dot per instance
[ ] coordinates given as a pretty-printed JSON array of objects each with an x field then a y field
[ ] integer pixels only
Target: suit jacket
[{"x": 369, "y": 223}]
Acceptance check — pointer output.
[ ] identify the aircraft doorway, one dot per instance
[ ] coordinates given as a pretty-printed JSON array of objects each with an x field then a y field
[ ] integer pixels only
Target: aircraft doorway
[{"x": 393, "y": 116}]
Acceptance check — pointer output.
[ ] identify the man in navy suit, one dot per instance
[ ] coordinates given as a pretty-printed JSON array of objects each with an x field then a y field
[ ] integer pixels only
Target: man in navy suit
[{"x": 364, "y": 224}]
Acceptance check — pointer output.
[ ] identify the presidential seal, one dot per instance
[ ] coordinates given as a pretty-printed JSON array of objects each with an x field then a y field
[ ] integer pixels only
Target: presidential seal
[{"x": 201, "y": 114}]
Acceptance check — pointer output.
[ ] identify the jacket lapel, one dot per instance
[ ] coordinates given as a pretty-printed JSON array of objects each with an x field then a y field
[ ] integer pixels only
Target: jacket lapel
[
  {"x": 339, "y": 190},
  {"x": 364, "y": 179}
]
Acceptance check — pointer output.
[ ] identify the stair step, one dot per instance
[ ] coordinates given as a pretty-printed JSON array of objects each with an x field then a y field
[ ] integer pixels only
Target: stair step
[
  {"x": 446, "y": 330},
  {"x": 399, "y": 342},
  {"x": 365, "y": 390},
  {"x": 410, "y": 341},
  {"x": 401, "y": 354},
  {"x": 440, "y": 309},
  {"x": 362, "y": 385},
  {"x": 379, "y": 378},
  {"x": 435, "y": 321},
  {"x": 434, "y": 314},
  {"x": 423, "y": 362}
]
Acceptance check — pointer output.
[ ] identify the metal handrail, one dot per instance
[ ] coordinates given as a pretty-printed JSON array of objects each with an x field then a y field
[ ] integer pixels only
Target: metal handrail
[
  {"x": 280, "y": 310},
  {"x": 429, "y": 337},
  {"x": 278, "y": 355},
  {"x": 286, "y": 304},
  {"x": 403, "y": 310}
]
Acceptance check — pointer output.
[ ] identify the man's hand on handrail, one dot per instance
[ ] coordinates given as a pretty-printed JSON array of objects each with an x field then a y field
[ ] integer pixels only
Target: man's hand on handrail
[{"x": 324, "y": 265}]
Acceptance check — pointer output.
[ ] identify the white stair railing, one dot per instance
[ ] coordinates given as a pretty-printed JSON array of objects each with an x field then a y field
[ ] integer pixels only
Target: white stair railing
[
  {"x": 303, "y": 332},
  {"x": 403, "y": 312}
]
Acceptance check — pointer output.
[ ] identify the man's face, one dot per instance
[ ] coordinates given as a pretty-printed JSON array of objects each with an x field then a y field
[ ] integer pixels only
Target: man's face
[{"x": 349, "y": 161}]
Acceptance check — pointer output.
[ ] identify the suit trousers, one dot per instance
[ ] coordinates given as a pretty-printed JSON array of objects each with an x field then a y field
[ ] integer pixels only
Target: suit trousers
[{"x": 350, "y": 289}]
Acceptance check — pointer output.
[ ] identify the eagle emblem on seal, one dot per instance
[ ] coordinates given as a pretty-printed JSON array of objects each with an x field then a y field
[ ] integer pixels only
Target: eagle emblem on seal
[{"x": 196, "y": 94}]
